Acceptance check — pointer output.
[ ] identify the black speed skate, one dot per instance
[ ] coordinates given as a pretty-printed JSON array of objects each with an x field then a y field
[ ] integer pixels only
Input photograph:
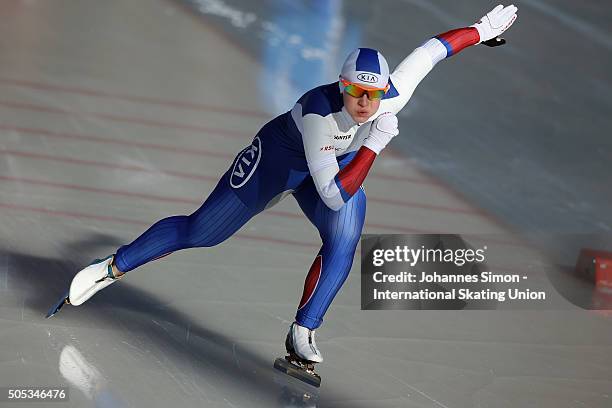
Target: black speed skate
[{"x": 296, "y": 366}]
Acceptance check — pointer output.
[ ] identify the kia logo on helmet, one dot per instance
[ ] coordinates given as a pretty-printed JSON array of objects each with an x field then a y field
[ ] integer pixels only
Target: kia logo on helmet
[{"x": 367, "y": 77}]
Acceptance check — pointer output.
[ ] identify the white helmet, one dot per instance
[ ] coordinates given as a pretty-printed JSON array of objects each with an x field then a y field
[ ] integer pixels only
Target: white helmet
[{"x": 367, "y": 68}]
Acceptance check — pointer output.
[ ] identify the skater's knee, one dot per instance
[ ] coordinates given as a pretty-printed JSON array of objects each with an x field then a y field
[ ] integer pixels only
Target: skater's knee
[
  {"x": 178, "y": 236},
  {"x": 202, "y": 233},
  {"x": 205, "y": 242},
  {"x": 344, "y": 241}
]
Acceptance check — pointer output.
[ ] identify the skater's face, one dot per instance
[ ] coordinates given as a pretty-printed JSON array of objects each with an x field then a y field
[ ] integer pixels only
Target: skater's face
[
  {"x": 361, "y": 103},
  {"x": 362, "y": 108}
]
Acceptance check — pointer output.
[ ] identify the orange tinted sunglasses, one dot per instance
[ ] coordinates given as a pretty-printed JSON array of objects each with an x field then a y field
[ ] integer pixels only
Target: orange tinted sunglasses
[{"x": 357, "y": 91}]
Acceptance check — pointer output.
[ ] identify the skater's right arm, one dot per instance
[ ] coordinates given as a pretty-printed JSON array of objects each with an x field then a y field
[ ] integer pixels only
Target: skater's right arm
[
  {"x": 335, "y": 186},
  {"x": 320, "y": 154}
]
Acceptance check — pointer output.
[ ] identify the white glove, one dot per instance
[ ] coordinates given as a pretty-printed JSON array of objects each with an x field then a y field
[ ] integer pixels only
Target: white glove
[
  {"x": 383, "y": 129},
  {"x": 495, "y": 22}
]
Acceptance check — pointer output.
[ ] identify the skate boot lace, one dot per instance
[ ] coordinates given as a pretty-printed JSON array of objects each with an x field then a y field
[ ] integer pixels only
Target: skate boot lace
[
  {"x": 312, "y": 343},
  {"x": 109, "y": 274}
]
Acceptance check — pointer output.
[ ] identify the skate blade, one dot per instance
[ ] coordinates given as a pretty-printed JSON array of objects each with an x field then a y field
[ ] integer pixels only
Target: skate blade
[
  {"x": 294, "y": 371},
  {"x": 58, "y": 305}
]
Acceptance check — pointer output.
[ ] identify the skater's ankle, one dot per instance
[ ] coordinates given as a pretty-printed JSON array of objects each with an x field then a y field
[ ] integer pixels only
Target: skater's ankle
[{"x": 116, "y": 272}]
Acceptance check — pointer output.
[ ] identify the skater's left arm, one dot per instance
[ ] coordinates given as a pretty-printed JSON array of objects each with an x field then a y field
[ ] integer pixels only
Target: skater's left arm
[{"x": 413, "y": 69}]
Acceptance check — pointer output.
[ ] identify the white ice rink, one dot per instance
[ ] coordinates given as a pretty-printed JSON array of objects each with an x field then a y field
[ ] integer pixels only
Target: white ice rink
[{"x": 114, "y": 114}]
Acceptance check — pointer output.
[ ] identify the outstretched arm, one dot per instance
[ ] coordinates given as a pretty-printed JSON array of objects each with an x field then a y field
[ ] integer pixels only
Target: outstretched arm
[
  {"x": 411, "y": 71},
  {"x": 491, "y": 25}
]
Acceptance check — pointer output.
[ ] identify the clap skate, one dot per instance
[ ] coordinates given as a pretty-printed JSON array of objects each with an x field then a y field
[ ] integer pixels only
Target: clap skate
[
  {"x": 95, "y": 277},
  {"x": 302, "y": 356}
]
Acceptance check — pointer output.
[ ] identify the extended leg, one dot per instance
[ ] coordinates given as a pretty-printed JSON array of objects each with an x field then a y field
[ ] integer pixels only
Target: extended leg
[
  {"x": 222, "y": 214},
  {"x": 251, "y": 182}
]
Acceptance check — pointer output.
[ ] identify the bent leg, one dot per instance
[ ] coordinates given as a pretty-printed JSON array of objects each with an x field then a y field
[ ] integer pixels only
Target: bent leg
[
  {"x": 340, "y": 232},
  {"x": 221, "y": 215}
]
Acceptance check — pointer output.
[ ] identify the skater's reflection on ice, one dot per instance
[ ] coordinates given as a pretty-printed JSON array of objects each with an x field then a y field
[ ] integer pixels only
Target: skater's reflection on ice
[{"x": 84, "y": 376}]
